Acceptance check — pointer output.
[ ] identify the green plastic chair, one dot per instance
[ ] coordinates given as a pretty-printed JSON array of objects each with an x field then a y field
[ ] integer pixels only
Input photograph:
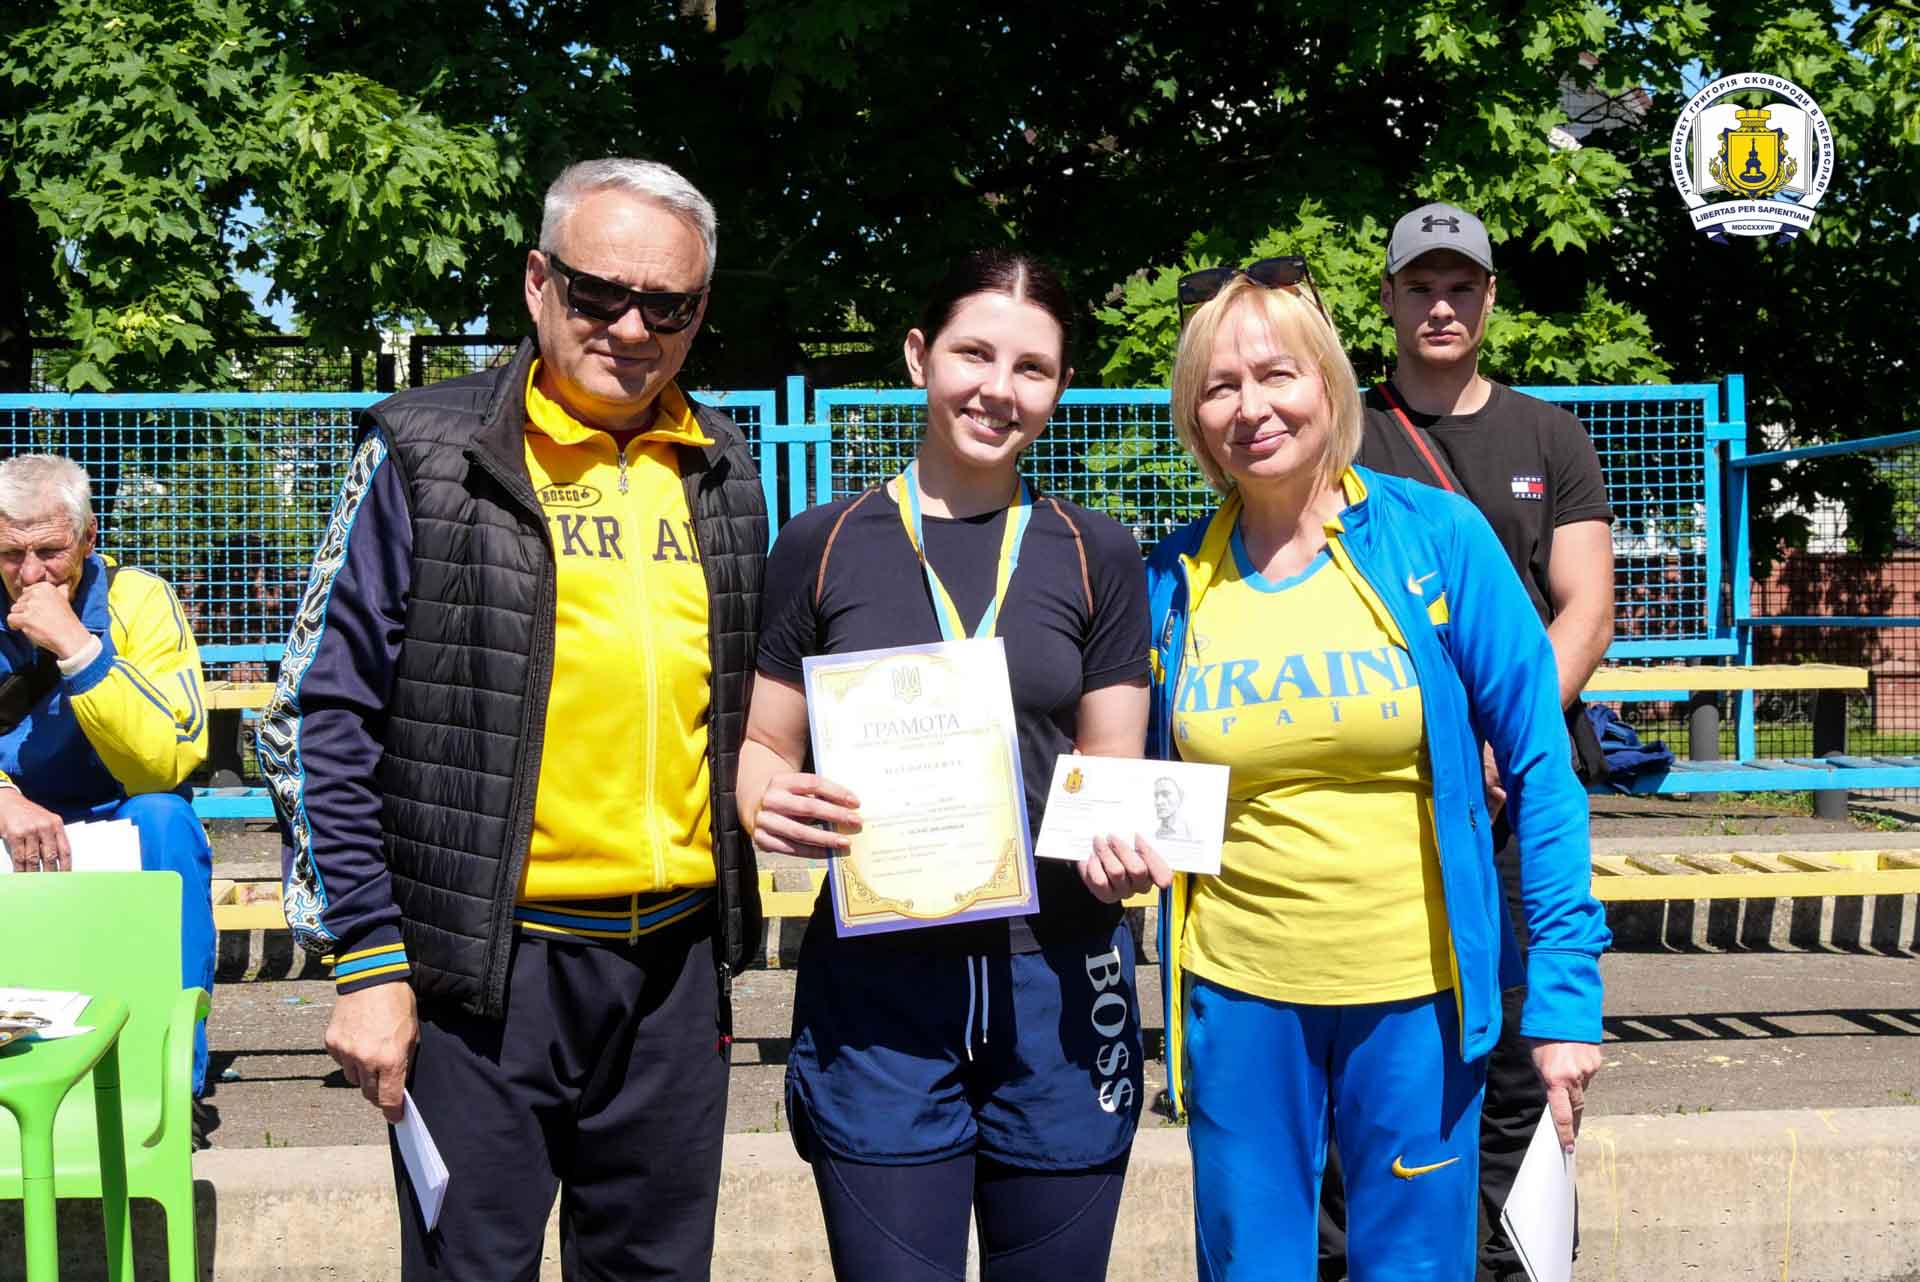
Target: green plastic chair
[{"x": 114, "y": 933}]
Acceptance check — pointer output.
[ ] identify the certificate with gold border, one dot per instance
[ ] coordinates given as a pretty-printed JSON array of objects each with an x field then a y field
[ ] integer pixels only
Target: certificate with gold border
[{"x": 924, "y": 736}]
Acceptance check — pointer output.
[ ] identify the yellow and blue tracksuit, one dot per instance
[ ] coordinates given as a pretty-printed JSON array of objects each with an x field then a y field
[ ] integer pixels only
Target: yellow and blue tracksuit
[
  {"x": 1485, "y": 672},
  {"x": 621, "y": 846},
  {"x": 607, "y": 1046},
  {"x": 118, "y": 738}
]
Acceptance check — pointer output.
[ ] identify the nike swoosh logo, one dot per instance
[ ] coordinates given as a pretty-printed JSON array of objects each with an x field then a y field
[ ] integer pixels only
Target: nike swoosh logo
[
  {"x": 1413, "y": 584},
  {"x": 1406, "y": 1172}
]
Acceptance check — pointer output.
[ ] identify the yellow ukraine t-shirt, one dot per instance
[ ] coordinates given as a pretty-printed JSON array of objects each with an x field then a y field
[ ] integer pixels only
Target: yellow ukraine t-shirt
[
  {"x": 623, "y": 803},
  {"x": 1329, "y": 887}
]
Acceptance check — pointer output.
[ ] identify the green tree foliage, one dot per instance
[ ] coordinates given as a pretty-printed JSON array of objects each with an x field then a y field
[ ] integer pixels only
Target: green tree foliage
[
  {"x": 153, "y": 150},
  {"x": 381, "y": 160},
  {"x": 1819, "y": 325}
]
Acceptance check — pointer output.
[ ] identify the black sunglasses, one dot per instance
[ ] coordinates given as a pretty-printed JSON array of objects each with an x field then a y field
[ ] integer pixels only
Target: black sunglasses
[
  {"x": 609, "y": 300},
  {"x": 1270, "y": 273}
]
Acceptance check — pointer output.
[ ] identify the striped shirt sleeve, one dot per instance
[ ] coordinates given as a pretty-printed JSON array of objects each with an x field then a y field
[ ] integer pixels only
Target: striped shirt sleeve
[{"x": 321, "y": 735}]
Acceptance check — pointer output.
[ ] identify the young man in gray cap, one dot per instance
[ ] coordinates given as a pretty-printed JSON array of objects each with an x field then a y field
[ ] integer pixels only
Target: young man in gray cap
[{"x": 1532, "y": 471}]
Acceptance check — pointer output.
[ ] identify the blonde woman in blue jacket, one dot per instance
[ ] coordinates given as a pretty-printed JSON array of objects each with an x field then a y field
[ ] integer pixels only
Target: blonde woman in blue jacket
[{"x": 1344, "y": 641}]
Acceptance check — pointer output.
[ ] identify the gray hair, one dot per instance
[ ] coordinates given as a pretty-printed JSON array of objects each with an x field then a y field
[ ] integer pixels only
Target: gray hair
[
  {"x": 648, "y": 179},
  {"x": 28, "y": 480}
]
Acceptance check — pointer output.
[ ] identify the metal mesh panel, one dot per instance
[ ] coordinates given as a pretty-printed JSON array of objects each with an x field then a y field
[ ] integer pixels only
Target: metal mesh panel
[
  {"x": 294, "y": 365},
  {"x": 1829, "y": 577},
  {"x": 871, "y": 441},
  {"x": 435, "y": 358},
  {"x": 1112, "y": 452},
  {"x": 48, "y": 354},
  {"x": 272, "y": 363},
  {"x": 226, "y": 504},
  {"x": 1652, "y": 453},
  {"x": 747, "y": 415},
  {"x": 226, "y": 497}
]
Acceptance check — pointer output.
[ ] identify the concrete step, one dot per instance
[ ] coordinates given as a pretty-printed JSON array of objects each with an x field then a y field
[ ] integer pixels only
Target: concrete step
[{"x": 1734, "y": 1197}]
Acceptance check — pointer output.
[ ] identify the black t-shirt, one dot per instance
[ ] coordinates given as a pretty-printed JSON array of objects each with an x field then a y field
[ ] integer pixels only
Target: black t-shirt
[
  {"x": 874, "y": 595},
  {"x": 1528, "y": 466}
]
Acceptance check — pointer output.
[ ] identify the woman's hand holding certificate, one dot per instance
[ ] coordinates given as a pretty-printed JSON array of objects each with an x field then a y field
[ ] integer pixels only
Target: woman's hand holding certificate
[
  {"x": 925, "y": 736},
  {"x": 1120, "y": 868},
  {"x": 805, "y": 815},
  {"x": 1142, "y": 820}
]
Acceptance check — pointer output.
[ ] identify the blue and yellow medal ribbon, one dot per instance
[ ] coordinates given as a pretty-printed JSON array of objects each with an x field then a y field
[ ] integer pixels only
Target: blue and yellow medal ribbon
[{"x": 905, "y": 492}]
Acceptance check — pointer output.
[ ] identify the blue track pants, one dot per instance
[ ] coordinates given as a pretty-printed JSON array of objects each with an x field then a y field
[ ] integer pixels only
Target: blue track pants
[
  {"x": 172, "y": 839},
  {"x": 1269, "y": 1082}
]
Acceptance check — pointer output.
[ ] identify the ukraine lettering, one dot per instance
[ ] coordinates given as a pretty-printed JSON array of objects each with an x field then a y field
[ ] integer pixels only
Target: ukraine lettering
[
  {"x": 581, "y": 534},
  {"x": 667, "y": 546},
  {"x": 592, "y": 536},
  {"x": 1336, "y": 674}
]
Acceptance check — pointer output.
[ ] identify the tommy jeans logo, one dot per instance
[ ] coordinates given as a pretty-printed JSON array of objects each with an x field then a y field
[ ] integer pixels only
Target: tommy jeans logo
[
  {"x": 1533, "y": 488},
  {"x": 1433, "y": 221}
]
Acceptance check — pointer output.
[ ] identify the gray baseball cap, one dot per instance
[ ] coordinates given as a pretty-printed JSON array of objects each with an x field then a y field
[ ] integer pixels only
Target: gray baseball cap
[{"x": 1438, "y": 226}]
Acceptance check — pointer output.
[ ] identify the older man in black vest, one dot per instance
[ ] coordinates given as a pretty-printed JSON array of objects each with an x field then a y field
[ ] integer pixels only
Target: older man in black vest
[{"x": 503, "y": 750}]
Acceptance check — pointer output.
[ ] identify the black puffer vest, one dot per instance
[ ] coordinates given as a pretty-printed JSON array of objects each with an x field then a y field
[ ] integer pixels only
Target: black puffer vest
[{"x": 468, "y": 717}]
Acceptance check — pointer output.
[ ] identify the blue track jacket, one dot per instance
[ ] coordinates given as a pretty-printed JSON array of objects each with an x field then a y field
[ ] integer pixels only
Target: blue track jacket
[
  {"x": 1486, "y": 675},
  {"x": 132, "y": 721}
]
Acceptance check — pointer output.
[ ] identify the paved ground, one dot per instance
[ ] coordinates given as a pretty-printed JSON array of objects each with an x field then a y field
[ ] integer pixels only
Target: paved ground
[{"x": 1688, "y": 1030}]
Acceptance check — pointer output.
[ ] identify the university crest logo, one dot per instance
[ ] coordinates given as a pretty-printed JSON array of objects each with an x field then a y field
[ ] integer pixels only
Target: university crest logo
[
  {"x": 1073, "y": 781},
  {"x": 1752, "y": 155}
]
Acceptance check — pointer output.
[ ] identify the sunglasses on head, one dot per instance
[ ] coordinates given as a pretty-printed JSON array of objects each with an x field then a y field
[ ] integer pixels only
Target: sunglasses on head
[
  {"x": 608, "y": 300},
  {"x": 1270, "y": 273}
]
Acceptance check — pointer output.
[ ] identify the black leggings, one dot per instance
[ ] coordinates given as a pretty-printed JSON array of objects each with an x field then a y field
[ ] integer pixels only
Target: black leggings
[{"x": 909, "y": 1223}]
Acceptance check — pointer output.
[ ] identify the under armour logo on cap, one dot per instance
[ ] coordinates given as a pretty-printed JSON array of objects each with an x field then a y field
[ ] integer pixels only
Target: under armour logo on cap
[{"x": 1439, "y": 226}]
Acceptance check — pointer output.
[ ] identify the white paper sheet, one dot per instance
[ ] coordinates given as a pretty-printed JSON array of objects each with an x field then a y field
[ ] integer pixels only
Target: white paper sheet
[
  {"x": 425, "y": 1171},
  {"x": 42, "y": 1014},
  {"x": 1538, "y": 1215},
  {"x": 1179, "y": 807},
  {"x": 107, "y": 845}
]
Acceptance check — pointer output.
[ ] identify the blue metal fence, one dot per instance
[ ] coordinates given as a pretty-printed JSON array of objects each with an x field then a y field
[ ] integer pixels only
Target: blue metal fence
[
  {"x": 1895, "y": 461},
  {"x": 226, "y": 495}
]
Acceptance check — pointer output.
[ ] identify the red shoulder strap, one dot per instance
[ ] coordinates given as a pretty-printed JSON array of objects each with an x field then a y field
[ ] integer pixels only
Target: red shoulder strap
[{"x": 1419, "y": 442}]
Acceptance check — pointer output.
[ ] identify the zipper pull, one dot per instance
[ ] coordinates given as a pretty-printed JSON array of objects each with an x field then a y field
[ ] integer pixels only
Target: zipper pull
[
  {"x": 623, "y": 471},
  {"x": 724, "y": 1042}
]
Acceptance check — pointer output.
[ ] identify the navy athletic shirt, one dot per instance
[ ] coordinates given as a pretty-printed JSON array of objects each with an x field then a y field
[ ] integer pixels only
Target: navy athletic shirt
[{"x": 873, "y": 595}]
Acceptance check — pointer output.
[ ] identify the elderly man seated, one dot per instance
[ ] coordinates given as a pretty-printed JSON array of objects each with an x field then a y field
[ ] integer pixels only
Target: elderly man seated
[{"x": 102, "y": 714}]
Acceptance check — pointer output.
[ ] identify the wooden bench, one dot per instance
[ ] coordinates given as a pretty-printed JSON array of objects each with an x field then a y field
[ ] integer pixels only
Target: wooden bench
[
  {"x": 1629, "y": 878},
  {"x": 255, "y": 905},
  {"x": 1686, "y": 678},
  {"x": 1829, "y": 773},
  {"x": 226, "y": 796},
  {"x": 1756, "y": 875}
]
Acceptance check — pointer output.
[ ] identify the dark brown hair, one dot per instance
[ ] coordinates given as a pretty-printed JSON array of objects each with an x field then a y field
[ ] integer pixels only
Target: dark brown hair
[{"x": 1001, "y": 271}]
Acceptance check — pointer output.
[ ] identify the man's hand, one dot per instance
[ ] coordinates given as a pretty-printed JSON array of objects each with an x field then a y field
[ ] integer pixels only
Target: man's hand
[
  {"x": 1566, "y": 1068},
  {"x": 1496, "y": 795},
  {"x": 371, "y": 1036},
  {"x": 36, "y": 839},
  {"x": 45, "y": 616}
]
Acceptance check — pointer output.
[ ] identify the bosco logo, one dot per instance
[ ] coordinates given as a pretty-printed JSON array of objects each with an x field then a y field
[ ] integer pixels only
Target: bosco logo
[{"x": 569, "y": 495}]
